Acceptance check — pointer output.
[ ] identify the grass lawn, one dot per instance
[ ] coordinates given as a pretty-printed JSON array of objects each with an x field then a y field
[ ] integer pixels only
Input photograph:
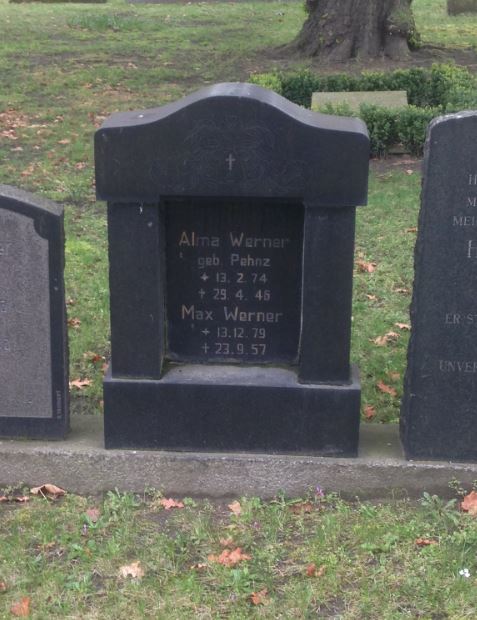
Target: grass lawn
[{"x": 314, "y": 558}]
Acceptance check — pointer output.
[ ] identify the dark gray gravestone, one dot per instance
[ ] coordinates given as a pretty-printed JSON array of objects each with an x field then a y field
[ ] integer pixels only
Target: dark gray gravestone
[
  {"x": 231, "y": 234},
  {"x": 439, "y": 412},
  {"x": 33, "y": 339}
]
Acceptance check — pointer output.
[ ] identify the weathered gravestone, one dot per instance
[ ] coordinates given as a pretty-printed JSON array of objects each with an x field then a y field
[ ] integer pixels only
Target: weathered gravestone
[
  {"x": 439, "y": 412},
  {"x": 231, "y": 233},
  {"x": 33, "y": 339}
]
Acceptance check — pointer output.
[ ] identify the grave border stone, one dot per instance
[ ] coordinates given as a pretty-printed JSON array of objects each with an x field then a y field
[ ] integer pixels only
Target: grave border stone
[
  {"x": 48, "y": 222},
  {"x": 152, "y": 403}
]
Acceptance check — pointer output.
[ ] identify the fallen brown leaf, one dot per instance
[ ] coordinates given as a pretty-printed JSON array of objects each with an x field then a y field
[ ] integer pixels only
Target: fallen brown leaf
[
  {"x": 74, "y": 322},
  {"x": 259, "y": 598},
  {"x": 3, "y": 587},
  {"x": 64, "y": 141},
  {"x": 404, "y": 326},
  {"x": 301, "y": 508},
  {"x": 313, "y": 571},
  {"x": 3, "y": 498},
  {"x": 369, "y": 412},
  {"x": 235, "y": 507},
  {"x": 80, "y": 383},
  {"x": 21, "y": 609},
  {"x": 133, "y": 570},
  {"x": 425, "y": 542},
  {"x": 371, "y": 297},
  {"x": 365, "y": 267},
  {"x": 230, "y": 557},
  {"x": 21, "y": 499},
  {"x": 48, "y": 490},
  {"x": 198, "y": 566},
  {"x": 412, "y": 229},
  {"x": 404, "y": 291},
  {"x": 382, "y": 341},
  {"x": 170, "y": 503},
  {"x": 93, "y": 514},
  {"x": 469, "y": 504},
  {"x": 387, "y": 389}
]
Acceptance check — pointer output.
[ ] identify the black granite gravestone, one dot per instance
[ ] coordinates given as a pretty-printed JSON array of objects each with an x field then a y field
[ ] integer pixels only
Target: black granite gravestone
[
  {"x": 33, "y": 338},
  {"x": 439, "y": 412},
  {"x": 231, "y": 233}
]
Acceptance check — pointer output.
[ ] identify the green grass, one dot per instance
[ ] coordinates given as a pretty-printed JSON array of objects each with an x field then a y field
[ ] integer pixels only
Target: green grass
[
  {"x": 65, "y": 67},
  {"x": 372, "y": 566}
]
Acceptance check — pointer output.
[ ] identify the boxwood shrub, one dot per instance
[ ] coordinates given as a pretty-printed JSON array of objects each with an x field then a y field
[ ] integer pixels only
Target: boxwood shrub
[{"x": 441, "y": 89}]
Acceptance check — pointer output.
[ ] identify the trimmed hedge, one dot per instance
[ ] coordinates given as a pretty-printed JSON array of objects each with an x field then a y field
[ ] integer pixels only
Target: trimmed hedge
[{"x": 431, "y": 92}]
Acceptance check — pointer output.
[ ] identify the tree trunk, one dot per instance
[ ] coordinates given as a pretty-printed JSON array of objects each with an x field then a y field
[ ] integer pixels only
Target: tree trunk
[{"x": 337, "y": 30}]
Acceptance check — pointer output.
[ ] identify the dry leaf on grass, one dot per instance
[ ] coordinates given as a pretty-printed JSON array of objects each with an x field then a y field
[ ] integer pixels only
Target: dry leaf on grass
[
  {"x": 21, "y": 609},
  {"x": 369, "y": 412},
  {"x": 313, "y": 571},
  {"x": 93, "y": 514},
  {"x": 404, "y": 291},
  {"x": 230, "y": 557},
  {"x": 80, "y": 383},
  {"x": 386, "y": 389},
  {"x": 301, "y": 508},
  {"x": 236, "y": 508},
  {"x": 365, "y": 267},
  {"x": 425, "y": 542},
  {"x": 3, "y": 587},
  {"x": 170, "y": 503},
  {"x": 469, "y": 504},
  {"x": 382, "y": 341},
  {"x": 404, "y": 326},
  {"x": 259, "y": 598},
  {"x": 74, "y": 322},
  {"x": 198, "y": 566},
  {"x": 48, "y": 490},
  {"x": 133, "y": 570}
]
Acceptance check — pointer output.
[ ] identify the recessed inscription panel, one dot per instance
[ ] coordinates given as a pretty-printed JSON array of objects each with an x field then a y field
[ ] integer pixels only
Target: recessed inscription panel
[
  {"x": 234, "y": 281},
  {"x": 25, "y": 339}
]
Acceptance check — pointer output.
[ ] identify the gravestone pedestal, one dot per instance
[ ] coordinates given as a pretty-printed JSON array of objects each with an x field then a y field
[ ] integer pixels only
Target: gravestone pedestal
[{"x": 231, "y": 236}]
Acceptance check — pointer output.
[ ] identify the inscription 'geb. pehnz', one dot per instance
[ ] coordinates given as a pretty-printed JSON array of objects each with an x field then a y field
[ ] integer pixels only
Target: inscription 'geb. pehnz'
[{"x": 234, "y": 282}]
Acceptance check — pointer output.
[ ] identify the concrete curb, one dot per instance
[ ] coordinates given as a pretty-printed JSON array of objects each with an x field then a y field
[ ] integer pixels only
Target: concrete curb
[{"x": 82, "y": 465}]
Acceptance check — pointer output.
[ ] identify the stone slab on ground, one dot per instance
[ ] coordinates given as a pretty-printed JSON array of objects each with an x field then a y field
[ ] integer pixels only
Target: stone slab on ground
[
  {"x": 82, "y": 465},
  {"x": 354, "y": 99},
  {"x": 456, "y": 7}
]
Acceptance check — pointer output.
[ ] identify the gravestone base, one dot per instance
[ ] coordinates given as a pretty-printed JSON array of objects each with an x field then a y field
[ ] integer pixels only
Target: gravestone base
[{"x": 218, "y": 408}]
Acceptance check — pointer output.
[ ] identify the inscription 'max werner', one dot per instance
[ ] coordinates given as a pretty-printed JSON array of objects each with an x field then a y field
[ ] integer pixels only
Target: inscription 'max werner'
[
  {"x": 25, "y": 350},
  {"x": 234, "y": 282}
]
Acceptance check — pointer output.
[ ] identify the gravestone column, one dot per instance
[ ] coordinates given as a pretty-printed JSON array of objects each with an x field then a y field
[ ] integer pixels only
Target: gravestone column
[{"x": 439, "y": 411}]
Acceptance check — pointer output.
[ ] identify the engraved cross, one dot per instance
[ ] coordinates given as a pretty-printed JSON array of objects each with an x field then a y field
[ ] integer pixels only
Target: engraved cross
[{"x": 230, "y": 160}]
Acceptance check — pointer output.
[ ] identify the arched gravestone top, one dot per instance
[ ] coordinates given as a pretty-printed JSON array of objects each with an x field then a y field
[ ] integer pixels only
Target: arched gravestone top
[{"x": 232, "y": 140}]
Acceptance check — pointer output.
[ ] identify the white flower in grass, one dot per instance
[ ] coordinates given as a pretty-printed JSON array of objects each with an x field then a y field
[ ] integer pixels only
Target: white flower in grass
[{"x": 464, "y": 572}]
